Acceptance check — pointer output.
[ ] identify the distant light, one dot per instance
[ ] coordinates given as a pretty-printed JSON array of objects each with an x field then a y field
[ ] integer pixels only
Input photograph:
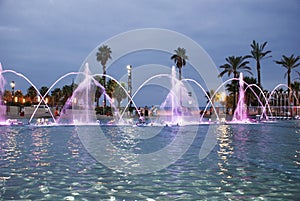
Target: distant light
[
  {"x": 12, "y": 84},
  {"x": 223, "y": 96},
  {"x": 129, "y": 67}
]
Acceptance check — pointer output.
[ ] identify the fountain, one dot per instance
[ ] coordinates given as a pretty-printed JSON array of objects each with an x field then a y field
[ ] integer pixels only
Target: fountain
[
  {"x": 79, "y": 109},
  {"x": 178, "y": 104},
  {"x": 2, "y": 106},
  {"x": 176, "y": 109},
  {"x": 240, "y": 113}
]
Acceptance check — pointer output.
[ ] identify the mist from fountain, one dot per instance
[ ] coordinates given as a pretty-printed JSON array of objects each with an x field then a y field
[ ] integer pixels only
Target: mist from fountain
[
  {"x": 172, "y": 106},
  {"x": 240, "y": 113},
  {"x": 2, "y": 105},
  {"x": 178, "y": 105},
  {"x": 82, "y": 100}
]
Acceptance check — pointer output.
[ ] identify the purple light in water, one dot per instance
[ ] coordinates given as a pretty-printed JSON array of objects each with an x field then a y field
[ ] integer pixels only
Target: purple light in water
[
  {"x": 240, "y": 113},
  {"x": 2, "y": 105}
]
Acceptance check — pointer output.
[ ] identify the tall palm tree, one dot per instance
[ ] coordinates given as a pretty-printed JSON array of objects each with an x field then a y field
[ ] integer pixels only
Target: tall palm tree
[
  {"x": 235, "y": 65},
  {"x": 296, "y": 88},
  {"x": 258, "y": 54},
  {"x": 289, "y": 63},
  {"x": 98, "y": 91},
  {"x": 102, "y": 56},
  {"x": 180, "y": 58}
]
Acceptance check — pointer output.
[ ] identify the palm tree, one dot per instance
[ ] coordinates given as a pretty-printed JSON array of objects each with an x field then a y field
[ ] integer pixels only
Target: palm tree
[
  {"x": 111, "y": 85},
  {"x": 289, "y": 63},
  {"x": 56, "y": 94},
  {"x": 102, "y": 56},
  {"x": 98, "y": 91},
  {"x": 235, "y": 65},
  {"x": 180, "y": 58},
  {"x": 298, "y": 78},
  {"x": 216, "y": 98},
  {"x": 249, "y": 94},
  {"x": 258, "y": 54},
  {"x": 31, "y": 92},
  {"x": 67, "y": 92},
  {"x": 119, "y": 93},
  {"x": 43, "y": 91}
]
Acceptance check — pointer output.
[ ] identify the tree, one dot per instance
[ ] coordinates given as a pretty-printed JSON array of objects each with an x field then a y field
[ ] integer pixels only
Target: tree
[
  {"x": 43, "y": 90},
  {"x": 31, "y": 92},
  {"x": 56, "y": 94},
  {"x": 180, "y": 58},
  {"x": 67, "y": 92},
  {"x": 213, "y": 97},
  {"x": 7, "y": 96},
  {"x": 289, "y": 63},
  {"x": 18, "y": 94},
  {"x": 257, "y": 53},
  {"x": 249, "y": 94},
  {"x": 217, "y": 96},
  {"x": 119, "y": 93},
  {"x": 235, "y": 65},
  {"x": 102, "y": 56},
  {"x": 98, "y": 91},
  {"x": 111, "y": 85}
]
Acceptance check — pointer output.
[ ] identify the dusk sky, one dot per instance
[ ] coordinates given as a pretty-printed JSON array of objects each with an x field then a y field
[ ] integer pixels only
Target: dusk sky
[{"x": 45, "y": 39}]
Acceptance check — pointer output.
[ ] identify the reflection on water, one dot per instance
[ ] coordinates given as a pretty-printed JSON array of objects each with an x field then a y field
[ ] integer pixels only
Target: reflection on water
[{"x": 259, "y": 162}]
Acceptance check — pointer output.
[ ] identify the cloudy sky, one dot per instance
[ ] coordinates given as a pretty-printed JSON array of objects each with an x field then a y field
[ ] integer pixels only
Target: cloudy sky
[{"x": 44, "y": 39}]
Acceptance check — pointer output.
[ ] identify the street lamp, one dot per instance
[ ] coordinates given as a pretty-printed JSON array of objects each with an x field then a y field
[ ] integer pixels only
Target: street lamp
[
  {"x": 129, "y": 69},
  {"x": 12, "y": 84}
]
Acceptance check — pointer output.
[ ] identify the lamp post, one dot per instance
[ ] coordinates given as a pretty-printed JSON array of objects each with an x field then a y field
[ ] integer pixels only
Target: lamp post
[
  {"x": 12, "y": 84},
  {"x": 129, "y": 69}
]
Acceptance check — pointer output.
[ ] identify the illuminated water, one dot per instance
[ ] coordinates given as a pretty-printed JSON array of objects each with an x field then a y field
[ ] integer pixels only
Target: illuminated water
[{"x": 250, "y": 162}]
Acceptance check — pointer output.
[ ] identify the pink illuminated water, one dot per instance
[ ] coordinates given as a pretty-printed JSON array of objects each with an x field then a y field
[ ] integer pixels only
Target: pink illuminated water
[
  {"x": 240, "y": 113},
  {"x": 2, "y": 105}
]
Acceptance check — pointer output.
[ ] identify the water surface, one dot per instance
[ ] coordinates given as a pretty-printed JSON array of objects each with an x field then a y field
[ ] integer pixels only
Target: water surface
[{"x": 249, "y": 162}]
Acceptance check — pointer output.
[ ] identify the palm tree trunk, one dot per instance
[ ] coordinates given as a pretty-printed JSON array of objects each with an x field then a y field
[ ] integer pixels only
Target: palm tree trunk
[
  {"x": 180, "y": 101},
  {"x": 289, "y": 90},
  {"x": 104, "y": 85},
  {"x": 179, "y": 70},
  {"x": 258, "y": 73}
]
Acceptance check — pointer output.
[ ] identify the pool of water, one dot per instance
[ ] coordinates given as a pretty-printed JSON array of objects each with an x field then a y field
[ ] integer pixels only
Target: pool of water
[{"x": 249, "y": 162}]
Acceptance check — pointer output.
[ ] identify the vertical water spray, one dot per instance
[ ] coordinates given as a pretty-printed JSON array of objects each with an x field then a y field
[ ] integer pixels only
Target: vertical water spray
[
  {"x": 2, "y": 105},
  {"x": 174, "y": 99},
  {"x": 240, "y": 113},
  {"x": 84, "y": 97}
]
